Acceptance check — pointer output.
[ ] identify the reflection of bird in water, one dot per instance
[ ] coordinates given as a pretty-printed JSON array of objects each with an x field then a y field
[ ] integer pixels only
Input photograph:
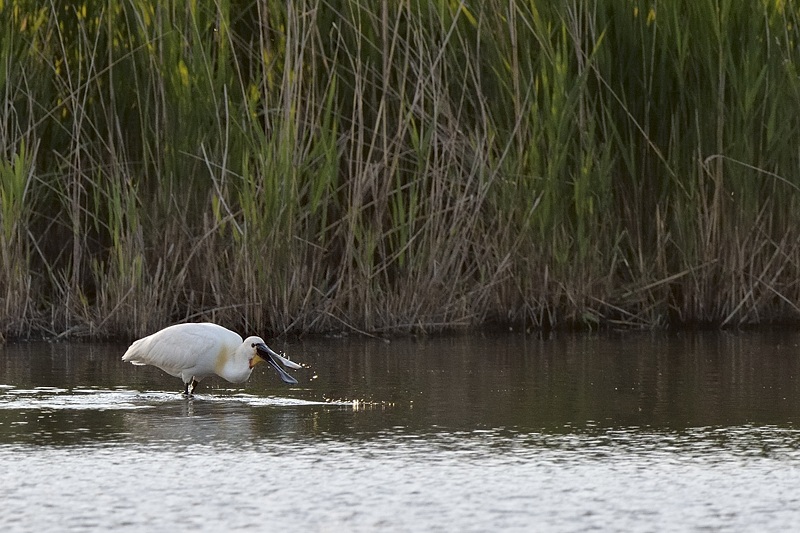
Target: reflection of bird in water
[
  {"x": 195, "y": 351},
  {"x": 211, "y": 422},
  {"x": 215, "y": 419}
]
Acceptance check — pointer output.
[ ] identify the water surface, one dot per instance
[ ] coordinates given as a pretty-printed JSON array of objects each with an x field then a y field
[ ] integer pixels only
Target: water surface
[{"x": 634, "y": 432}]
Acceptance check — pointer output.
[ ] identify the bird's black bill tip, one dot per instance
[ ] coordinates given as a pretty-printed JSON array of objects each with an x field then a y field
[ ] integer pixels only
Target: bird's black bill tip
[
  {"x": 267, "y": 355},
  {"x": 281, "y": 372}
]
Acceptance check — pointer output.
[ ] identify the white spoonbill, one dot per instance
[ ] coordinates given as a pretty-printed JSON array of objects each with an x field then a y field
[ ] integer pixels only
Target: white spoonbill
[{"x": 198, "y": 350}]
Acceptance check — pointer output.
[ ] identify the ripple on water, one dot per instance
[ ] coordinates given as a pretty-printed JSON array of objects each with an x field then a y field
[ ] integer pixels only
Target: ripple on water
[
  {"x": 54, "y": 398},
  {"x": 630, "y": 479}
]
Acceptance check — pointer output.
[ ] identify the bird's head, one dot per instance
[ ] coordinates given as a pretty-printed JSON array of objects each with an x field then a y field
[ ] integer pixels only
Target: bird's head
[{"x": 260, "y": 352}]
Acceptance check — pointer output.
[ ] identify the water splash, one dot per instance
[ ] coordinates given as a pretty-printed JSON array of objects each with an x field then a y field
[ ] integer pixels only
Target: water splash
[{"x": 54, "y": 398}]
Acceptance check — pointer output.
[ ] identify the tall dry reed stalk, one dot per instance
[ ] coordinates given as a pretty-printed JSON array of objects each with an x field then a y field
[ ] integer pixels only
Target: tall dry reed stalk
[{"x": 397, "y": 166}]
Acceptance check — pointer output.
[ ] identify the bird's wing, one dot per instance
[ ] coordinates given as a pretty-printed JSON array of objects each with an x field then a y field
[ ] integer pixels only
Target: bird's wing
[{"x": 174, "y": 349}]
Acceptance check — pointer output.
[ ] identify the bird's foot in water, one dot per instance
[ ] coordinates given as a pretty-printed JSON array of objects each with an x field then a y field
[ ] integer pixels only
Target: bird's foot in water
[{"x": 188, "y": 390}]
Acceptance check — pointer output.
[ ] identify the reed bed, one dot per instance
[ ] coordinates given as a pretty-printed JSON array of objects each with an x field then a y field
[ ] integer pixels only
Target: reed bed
[{"x": 409, "y": 166}]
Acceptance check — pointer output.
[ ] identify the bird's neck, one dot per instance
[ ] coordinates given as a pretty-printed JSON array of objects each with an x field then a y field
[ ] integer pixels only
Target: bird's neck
[{"x": 233, "y": 370}]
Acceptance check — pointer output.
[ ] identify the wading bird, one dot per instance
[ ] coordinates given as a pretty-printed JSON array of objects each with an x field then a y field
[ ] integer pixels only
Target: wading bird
[{"x": 195, "y": 351}]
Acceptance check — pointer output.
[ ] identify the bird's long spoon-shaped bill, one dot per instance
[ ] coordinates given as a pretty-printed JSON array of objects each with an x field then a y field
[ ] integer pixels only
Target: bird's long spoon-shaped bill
[
  {"x": 286, "y": 362},
  {"x": 267, "y": 355}
]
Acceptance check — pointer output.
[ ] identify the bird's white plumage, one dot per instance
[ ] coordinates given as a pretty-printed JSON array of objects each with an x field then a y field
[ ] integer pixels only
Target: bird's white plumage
[
  {"x": 185, "y": 347},
  {"x": 198, "y": 350}
]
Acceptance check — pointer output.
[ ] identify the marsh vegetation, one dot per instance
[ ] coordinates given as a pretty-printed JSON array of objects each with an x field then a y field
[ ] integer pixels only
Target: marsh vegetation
[{"x": 397, "y": 166}]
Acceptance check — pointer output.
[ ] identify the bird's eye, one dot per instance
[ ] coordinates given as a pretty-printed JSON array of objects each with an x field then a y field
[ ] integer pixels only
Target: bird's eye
[{"x": 253, "y": 345}]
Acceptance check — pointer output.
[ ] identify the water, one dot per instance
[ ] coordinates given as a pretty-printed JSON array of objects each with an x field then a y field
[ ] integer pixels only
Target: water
[{"x": 635, "y": 432}]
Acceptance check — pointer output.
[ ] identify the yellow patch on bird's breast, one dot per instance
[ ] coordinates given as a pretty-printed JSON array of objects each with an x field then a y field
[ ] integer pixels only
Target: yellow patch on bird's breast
[{"x": 222, "y": 360}]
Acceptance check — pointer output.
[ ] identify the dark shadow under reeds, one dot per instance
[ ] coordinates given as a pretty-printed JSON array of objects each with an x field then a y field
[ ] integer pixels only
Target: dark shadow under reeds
[{"x": 402, "y": 166}]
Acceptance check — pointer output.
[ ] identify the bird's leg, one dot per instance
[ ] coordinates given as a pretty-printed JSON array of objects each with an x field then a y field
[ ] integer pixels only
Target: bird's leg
[{"x": 189, "y": 387}]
